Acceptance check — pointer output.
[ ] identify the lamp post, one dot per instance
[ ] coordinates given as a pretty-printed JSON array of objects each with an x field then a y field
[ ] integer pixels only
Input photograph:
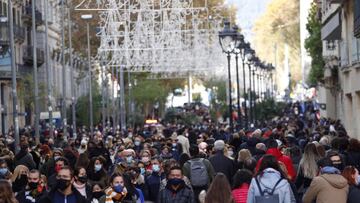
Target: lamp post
[
  {"x": 48, "y": 69},
  {"x": 227, "y": 40},
  {"x": 73, "y": 96},
  {"x": 87, "y": 18},
  {"x": 244, "y": 46},
  {"x": 35, "y": 72},
  {"x": 256, "y": 63},
  {"x": 13, "y": 77},
  {"x": 250, "y": 59},
  {"x": 63, "y": 102},
  {"x": 237, "y": 51}
]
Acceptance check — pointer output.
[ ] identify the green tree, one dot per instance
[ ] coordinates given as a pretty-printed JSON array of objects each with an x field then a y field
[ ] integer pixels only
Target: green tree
[
  {"x": 279, "y": 25},
  {"x": 82, "y": 107},
  {"x": 313, "y": 45}
]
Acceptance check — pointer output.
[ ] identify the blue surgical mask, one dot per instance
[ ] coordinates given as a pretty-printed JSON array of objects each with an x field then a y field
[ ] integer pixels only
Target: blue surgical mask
[
  {"x": 98, "y": 167},
  {"x": 129, "y": 159},
  {"x": 358, "y": 180},
  {"x": 118, "y": 188},
  {"x": 174, "y": 144},
  {"x": 137, "y": 143},
  {"x": 155, "y": 168},
  {"x": 142, "y": 171},
  {"x": 3, "y": 171}
]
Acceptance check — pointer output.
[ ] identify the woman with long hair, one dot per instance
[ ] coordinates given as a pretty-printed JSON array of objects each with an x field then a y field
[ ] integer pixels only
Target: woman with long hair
[
  {"x": 243, "y": 155},
  {"x": 270, "y": 180},
  {"x": 308, "y": 168},
  {"x": 219, "y": 190},
  {"x": 6, "y": 193},
  {"x": 351, "y": 174},
  {"x": 19, "y": 178}
]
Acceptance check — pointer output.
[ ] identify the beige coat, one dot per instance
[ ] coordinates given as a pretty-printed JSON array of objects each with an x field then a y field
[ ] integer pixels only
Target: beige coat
[{"x": 327, "y": 188}]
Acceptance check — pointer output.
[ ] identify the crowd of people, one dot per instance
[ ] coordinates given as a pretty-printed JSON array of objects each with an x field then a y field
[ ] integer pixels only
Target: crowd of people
[{"x": 295, "y": 158}]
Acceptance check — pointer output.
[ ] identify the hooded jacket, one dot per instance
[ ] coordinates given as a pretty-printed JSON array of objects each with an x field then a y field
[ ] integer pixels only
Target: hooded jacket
[
  {"x": 284, "y": 159},
  {"x": 267, "y": 182},
  {"x": 327, "y": 188}
]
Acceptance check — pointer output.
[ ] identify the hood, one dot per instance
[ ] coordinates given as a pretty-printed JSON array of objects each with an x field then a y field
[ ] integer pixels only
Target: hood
[
  {"x": 269, "y": 177},
  {"x": 337, "y": 181},
  {"x": 275, "y": 152}
]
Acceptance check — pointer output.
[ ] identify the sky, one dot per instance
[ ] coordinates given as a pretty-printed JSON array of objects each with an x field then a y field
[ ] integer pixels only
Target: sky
[{"x": 248, "y": 12}]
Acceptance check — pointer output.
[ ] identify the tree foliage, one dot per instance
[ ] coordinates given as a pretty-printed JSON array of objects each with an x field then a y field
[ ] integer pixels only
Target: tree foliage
[
  {"x": 279, "y": 25},
  {"x": 313, "y": 45}
]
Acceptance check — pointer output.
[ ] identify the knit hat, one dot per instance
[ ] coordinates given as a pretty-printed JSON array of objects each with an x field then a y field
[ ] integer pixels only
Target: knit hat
[{"x": 219, "y": 145}]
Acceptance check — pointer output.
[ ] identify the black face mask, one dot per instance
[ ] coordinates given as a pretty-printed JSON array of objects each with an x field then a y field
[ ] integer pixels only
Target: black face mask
[
  {"x": 83, "y": 179},
  {"x": 22, "y": 180},
  {"x": 339, "y": 166},
  {"x": 98, "y": 194},
  {"x": 33, "y": 185},
  {"x": 62, "y": 184}
]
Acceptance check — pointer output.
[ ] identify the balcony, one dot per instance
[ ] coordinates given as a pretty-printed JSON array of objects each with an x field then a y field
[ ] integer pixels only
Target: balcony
[
  {"x": 27, "y": 16},
  {"x": 19, "y": 34},
  {"x": 29, "y": 56}
]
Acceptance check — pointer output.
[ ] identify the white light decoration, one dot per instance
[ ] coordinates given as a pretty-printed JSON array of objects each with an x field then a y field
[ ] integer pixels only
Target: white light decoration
[{"x": 158, "y": 36}]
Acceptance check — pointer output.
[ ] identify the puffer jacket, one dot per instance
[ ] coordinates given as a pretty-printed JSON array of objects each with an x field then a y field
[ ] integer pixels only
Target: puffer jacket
[
  {"x": 327, "y": 188},
  {"x": 267, "y": 181}
]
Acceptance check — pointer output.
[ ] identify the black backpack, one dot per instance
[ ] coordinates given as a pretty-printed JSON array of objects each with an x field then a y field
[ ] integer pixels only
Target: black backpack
[{"x": 267, "y": 197}]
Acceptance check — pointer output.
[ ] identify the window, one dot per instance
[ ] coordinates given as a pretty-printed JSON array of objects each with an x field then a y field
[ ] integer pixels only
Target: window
[{"x": 357, "y": 18}]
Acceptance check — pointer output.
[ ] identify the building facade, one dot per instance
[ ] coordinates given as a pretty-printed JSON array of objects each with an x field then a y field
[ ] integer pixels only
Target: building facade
[
  {"x": 22, "y": 12},
  {"x": 341, "y": 50}
]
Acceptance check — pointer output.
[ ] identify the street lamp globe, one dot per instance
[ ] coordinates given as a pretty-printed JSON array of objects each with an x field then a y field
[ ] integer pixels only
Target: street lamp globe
[{"x": 227, "y": 38}]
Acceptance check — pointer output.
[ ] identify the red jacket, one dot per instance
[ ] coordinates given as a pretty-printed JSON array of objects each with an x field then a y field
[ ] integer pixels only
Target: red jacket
[
  {"x": 284, "y": 159},
  {"x": 240, "y": 194}
]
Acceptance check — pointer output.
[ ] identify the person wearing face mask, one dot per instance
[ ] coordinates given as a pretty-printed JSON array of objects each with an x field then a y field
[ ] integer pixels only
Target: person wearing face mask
[
  {"x": 153, "y": 181},
  {"x": 351, "y": 174},
  {"x": 330, "y": 186},
  {"x": 64, "y": 190},
  {"x": 97, "y": 173},
  {"x": 176, "y": 191},
  {"x": 81, "y": 183},
  {"x": 146, "y": 160},
  {"x": 4, "y": 171},
  {"x": 137, "y": 144},
  {"x": 97, "y": 193},
  {"x": 49, "y": 166},
  {"x": 59, "y": 164},
  {"x": 117, "y": 190},
  {"x": 19, "y": 178},
  {"x": 34, "y": 190}
]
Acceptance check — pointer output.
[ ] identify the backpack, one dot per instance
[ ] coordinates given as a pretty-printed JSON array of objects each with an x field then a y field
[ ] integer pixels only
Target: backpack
[
  {"x": 265, "y": 196},
  {"x": 198, "y": 173}
]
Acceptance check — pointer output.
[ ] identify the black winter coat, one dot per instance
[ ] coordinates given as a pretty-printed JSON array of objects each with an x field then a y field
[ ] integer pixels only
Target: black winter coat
[{"x": 223, "y": 164}]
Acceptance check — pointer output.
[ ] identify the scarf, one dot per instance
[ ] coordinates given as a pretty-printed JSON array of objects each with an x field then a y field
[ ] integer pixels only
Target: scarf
[
  {"x": 111, "y": 195},
  {"x": 81, "y": 188}
]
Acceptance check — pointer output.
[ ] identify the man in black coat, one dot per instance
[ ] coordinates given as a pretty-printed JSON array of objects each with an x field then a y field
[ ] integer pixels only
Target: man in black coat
[
  {"x": 222, "y": 163},
  {"x": 64, "y": 190}
]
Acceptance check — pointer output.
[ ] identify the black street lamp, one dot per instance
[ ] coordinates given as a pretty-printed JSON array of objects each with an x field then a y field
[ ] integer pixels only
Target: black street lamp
[
  {"x": 237, "y": 51},
  {"x": 244, "y": 47},
  {"x": 228, "y": 41},
  {"x": 250, "y": 58}
]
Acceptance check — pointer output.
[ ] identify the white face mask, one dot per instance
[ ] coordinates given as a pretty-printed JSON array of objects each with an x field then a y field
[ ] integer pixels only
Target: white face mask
[{"x": 230, "y": 153}]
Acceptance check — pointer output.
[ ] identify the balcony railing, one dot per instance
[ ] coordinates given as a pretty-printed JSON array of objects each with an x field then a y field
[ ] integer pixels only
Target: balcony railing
[
  {"x": 28, "y": 56},
  {"x": 27, "y": 16},
  {"x": 19, "y": 33}
]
